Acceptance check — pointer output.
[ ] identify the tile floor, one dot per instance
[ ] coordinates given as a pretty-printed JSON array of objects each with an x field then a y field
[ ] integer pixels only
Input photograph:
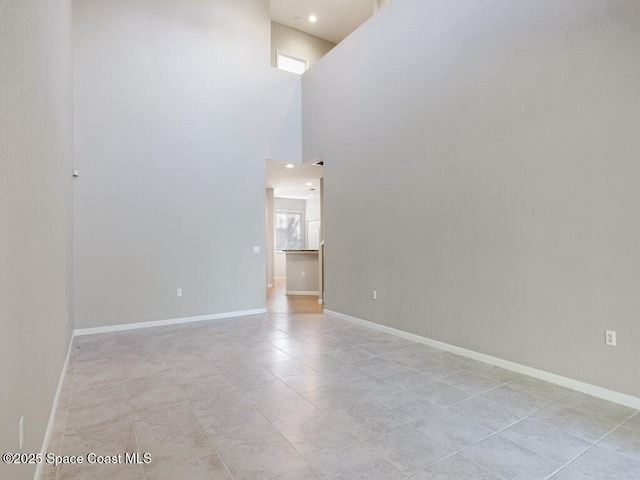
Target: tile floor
[{"x": 313, "y": 397}]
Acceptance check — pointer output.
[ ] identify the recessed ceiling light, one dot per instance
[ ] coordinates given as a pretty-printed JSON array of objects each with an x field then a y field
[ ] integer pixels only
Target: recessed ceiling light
[
  {"x": 313, "y": 18},
  {"x": 297, "y": 19},
  {"x": 290, "y": 165},
  {"x": 309, "y": 184}
]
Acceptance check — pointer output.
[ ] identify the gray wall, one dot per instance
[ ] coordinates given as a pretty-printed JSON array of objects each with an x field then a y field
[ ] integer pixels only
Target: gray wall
[
  {"x": 35, "y": 216},
  {"x": 482, "y": 174},
  {"x": 293, "y": 42},
  {"x": 176, "y": 110}
]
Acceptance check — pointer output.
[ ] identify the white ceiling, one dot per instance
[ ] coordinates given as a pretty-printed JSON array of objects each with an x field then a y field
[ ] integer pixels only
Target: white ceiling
[
  {"x": 292, "y": 182},
  {"x": 336, "y": 18}
]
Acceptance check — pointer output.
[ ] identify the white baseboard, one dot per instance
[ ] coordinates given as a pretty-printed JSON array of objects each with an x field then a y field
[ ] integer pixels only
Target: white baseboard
[
  {"x": 171, "y": 321},
  {"x": 52, "y": 415},
  {"x": 604, "y": 393},
  {"x": 301, "y": 292}
]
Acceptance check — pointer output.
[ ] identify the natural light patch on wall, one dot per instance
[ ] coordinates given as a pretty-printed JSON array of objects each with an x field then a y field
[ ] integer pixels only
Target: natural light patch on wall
[
  {"x": 292, "y": 49},
  {"x": 291, "y": 63}
]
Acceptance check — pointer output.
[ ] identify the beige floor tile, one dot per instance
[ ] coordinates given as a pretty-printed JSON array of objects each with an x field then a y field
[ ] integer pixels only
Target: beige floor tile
[
  {"x": 154, "y": 391},
  {"x": 85, "y": 392},
  {"x": 82, "y": 415},
  {"x": 576, "y": 422},
  {"x": 546, "y": 440},
  {"x": 455, "y": 468},
  {"x": 406, "y": 405},
  {"x": 604, "y": 464},
  {"x": 451, "y": 430},
  {"x": 100, "y": 472},
  {"x": 308, "y": 397},
  {"x": 408, "y": 448},
  {"x": 334, "y": 398},
  {"x": 357, "y": 462},
  {"x": 290, "y": 413},
  {"x": 318, "y": 437},
  {"x": 509, "y": 460},
  {"x": 205, "y": 387},
  {"x": 623, "y": 440},
  {"x": 171, "y": 432},
  {"x": 488, "y": 414},
  {"x": 521, "y": 402},
  {"x": 110, "y": 437},
  {"x": 208, "y": 467},
  {"x": 259, "y": 458},
  {"x": 598, "y": 407}
]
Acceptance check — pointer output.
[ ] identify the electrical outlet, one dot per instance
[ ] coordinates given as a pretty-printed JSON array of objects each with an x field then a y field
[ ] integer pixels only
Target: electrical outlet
[
  {"x": 66, "y": 320},
  {"x": 610, "y": 337},
  {"x": 374, "y": 294},
  {"x": 21, "y": 432},
  {"x": 179, "y": 292},
  {"x": 303, "y": 274}
]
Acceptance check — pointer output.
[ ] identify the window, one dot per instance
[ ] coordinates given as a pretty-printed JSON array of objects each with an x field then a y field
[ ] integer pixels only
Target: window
[
  {"x": 288, "y": 231},
  {"x": 290, "y": 64}
]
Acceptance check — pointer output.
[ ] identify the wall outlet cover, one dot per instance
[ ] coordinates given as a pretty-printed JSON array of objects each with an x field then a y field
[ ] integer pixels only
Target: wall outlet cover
[{"x": 610, "y": 337}]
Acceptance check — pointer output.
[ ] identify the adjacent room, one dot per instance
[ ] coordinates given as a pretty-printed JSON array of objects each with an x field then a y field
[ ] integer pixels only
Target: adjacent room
[{"x": 294, "y": 237}]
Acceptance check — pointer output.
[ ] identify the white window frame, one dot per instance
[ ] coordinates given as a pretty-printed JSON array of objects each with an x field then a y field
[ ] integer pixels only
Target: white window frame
[{"x": 275, "y": 230}]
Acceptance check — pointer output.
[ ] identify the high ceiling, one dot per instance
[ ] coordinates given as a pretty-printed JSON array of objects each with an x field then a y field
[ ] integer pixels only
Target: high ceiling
[{"x": 335, "y": 18}]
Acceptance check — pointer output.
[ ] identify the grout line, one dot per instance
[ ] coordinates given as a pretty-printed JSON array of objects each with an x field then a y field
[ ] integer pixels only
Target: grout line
[
  {"x": 593, "y": 444},
  {"x": 276, "y": 430},
  {"x": 126, "y": 391},
  {"x": 469, "y": 460},
  {"x": 249, "y": 329},
  {"x": 215, "y": 449},
  {"x": 570, "y": 461}
]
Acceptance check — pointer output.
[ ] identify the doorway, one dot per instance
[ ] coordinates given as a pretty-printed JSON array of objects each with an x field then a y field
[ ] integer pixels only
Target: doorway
[{"x": 294, "y": 224}]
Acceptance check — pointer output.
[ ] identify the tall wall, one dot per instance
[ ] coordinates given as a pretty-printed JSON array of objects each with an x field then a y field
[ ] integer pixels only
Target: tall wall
[
  {"x": 176, "y": 110},
  {"x": 35, "y": 217},
  {"x": 481, "y": 173},
  {"x": 301, "y": 45}
]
